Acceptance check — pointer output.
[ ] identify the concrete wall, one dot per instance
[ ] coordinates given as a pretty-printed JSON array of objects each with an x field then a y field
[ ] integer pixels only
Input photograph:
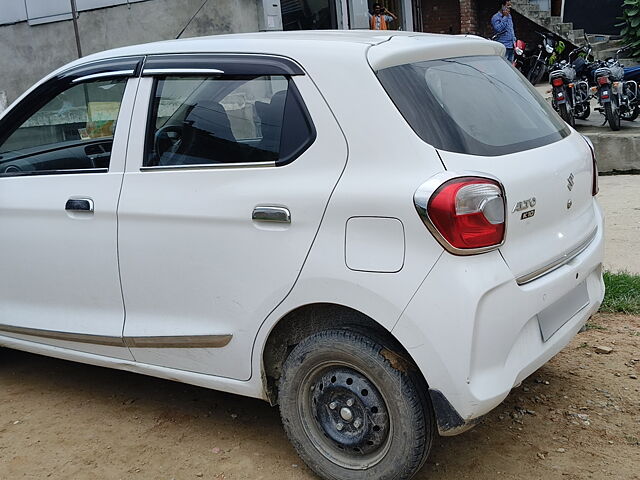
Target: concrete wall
[{"x": 28, "y": 53}]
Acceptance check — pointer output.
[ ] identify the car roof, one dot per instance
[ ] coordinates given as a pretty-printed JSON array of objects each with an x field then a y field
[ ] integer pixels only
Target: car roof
[{"x": 305, "y": 45}]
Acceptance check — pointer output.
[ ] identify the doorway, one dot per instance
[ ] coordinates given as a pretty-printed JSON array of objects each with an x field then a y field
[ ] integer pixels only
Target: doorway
[{"x": 309, "y": 14}]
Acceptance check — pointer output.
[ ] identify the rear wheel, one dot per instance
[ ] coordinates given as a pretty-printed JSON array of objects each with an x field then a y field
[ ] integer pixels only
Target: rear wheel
[
  {"x": 567, "y": 114},
  {"x": 349, "y": 413},
  {"x": 611, "y": 112}
]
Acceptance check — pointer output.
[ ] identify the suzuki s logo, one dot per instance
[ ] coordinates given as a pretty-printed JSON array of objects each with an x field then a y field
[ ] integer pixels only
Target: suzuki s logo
[
  {"x": 524, "y": 205},
  {"x": 570, "y": 182}
]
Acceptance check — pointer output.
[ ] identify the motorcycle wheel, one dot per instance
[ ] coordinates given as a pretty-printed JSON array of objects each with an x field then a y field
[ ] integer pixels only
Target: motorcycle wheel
[
  {"x": 567, "y": 114},
  {"x": 536, "y": 73},
  {"x": 612, "y": 116},
  {"x": 632, "y": 115},
  {"x": 585, "y": 114}
]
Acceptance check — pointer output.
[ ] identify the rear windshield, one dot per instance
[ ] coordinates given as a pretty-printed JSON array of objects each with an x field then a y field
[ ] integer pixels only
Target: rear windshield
[{"x": 473, "y": 105}]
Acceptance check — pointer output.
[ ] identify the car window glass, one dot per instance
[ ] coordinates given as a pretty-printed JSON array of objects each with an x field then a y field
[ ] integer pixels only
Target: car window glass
[
  {"x": 474, "y": 105},
  {"x": 73, "y": 131},
  {"x": 205, "y": 120}
]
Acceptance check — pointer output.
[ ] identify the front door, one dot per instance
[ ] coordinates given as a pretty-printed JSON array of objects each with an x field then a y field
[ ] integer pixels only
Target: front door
[
  {"x": 62, "y": 152},
  {"x": 229, "y": 171}
]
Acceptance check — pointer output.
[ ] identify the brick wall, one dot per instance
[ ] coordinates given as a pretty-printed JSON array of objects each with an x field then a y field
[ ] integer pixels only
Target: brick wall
[
  {"x": 469, "y": 16},
  {"x": 441, "y": 16}
]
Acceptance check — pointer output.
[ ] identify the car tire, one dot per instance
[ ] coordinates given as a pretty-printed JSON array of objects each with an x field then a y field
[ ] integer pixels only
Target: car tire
[{"x": 350, "y": 413}]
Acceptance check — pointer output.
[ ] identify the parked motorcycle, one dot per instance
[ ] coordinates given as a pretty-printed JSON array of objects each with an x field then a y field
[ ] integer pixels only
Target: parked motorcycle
[
  {"x": 561, "y": 78},
  {"x": 580, "y": 59},
  {"x": 519, "y": 58},
  {"x": 570, "y": 85},
  {"x": 618, "y": 99},
  {"x": 546, "y": 55}
]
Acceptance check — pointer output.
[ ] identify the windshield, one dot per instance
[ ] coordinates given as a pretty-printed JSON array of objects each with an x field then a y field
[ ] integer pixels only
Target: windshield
[{"x": 474, "y": 105}]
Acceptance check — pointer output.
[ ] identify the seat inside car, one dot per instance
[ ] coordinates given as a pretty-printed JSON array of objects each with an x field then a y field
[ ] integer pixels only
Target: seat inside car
[
  {"x": 206, "y": 137},
  {"x": 271, "y": 114}
]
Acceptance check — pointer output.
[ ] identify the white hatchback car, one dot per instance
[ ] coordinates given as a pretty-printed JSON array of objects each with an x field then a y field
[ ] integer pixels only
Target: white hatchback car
[{"x": 382, "y": 232}]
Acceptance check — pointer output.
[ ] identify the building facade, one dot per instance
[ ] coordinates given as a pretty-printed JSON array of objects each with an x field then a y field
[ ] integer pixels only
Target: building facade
[{"x": 38, "y": 36}]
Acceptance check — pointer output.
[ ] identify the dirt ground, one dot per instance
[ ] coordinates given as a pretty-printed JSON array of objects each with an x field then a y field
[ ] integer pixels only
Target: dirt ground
[
  {"x": 577, "y": 417},
  {"x": 618, "y": 198}
]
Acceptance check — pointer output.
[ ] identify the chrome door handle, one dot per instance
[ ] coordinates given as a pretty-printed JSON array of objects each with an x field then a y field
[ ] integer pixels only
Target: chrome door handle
[
  {"x": 266, "y": 213},
  {"x": 79, "y": 205}
]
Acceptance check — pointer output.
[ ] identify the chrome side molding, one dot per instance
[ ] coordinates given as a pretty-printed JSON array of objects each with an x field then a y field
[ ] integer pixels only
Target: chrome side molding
[
  {"x": 182, "y": 341},
  {"x": 93, "y": 76},
  {"x": 191, "y": 341},
  {"x": 181, "y": 71}
]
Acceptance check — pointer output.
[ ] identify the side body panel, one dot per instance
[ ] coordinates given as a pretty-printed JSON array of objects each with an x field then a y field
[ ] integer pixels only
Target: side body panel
[{"x": 387, "y": 163}]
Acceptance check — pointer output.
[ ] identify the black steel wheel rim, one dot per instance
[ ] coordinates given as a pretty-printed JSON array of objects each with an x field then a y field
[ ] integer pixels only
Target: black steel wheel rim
[{"x": 345, "y": 416}]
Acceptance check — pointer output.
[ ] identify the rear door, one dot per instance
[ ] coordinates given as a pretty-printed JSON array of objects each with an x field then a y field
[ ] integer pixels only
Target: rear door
[
  {"x": 483, "y": 116},
  {"x": 229, "y": 170}
]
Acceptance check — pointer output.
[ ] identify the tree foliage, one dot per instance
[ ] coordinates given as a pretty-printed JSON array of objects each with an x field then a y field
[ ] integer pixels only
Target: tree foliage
[{"x": 631, "y": 26}]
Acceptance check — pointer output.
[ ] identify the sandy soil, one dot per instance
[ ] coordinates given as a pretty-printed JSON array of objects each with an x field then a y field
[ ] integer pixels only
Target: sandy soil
[
  {"x": 578, "y": 417},
  {"x": 618, "y": 198}
]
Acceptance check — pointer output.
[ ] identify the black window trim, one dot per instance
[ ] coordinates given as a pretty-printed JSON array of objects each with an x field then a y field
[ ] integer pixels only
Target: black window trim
[
  {"x": 250, "y": 64},
  {"x": 190, "y": 70},
  {"x": 236, "y": 64},
  {"x": 37, "y": 98}
]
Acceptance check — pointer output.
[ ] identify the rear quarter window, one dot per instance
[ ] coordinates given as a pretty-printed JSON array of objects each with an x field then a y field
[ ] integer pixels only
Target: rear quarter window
[{"x": 473, "y": 105}]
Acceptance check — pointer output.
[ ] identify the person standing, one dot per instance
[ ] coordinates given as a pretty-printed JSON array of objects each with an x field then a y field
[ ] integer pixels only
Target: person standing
[
  {"x": 380, "y": 18},
  {"x": 502, "y": 23}
]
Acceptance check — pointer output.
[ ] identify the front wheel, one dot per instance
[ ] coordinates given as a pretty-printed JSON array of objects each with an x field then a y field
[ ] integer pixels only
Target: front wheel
[
  {"x": 567, "y": 114},
  {"x": 611, "y": 112},
  {"x": 350, "y": 413},
  {"x": 536, "y": 73}
]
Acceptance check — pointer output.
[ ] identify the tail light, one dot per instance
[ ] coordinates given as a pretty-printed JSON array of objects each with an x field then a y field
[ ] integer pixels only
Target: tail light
[
  {"x": 603, "y": 80},
  {"x": 557, "y": 82},
  {"x": 465, "y": 214},
  {"x": 595, "y": 188}
]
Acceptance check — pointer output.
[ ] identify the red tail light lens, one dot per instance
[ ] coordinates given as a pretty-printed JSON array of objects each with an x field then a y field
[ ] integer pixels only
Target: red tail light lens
[
  {"x": 469, "y": 213},
  {"x": 603, "y": 80},
  {"x": 557, "y": 82}
]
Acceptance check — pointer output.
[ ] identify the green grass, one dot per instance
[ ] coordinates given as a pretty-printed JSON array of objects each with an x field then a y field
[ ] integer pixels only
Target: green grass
[{"x": 622, "y": 293}]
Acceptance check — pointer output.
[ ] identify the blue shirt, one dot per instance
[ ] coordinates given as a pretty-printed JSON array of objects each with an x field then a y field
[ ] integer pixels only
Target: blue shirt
[{"x": 503, "y": 27}]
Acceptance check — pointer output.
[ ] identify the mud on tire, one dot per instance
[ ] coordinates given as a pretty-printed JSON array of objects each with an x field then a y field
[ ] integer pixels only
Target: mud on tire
[{"x": 349, "y": 413}]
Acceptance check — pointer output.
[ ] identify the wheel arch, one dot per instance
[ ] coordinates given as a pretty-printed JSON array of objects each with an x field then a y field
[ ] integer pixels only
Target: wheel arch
[{"x": 308, "y": 319}]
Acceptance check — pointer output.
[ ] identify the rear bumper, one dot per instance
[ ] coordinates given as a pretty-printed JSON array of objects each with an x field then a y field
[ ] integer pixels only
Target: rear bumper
[{"x": 475, "y": 333}]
